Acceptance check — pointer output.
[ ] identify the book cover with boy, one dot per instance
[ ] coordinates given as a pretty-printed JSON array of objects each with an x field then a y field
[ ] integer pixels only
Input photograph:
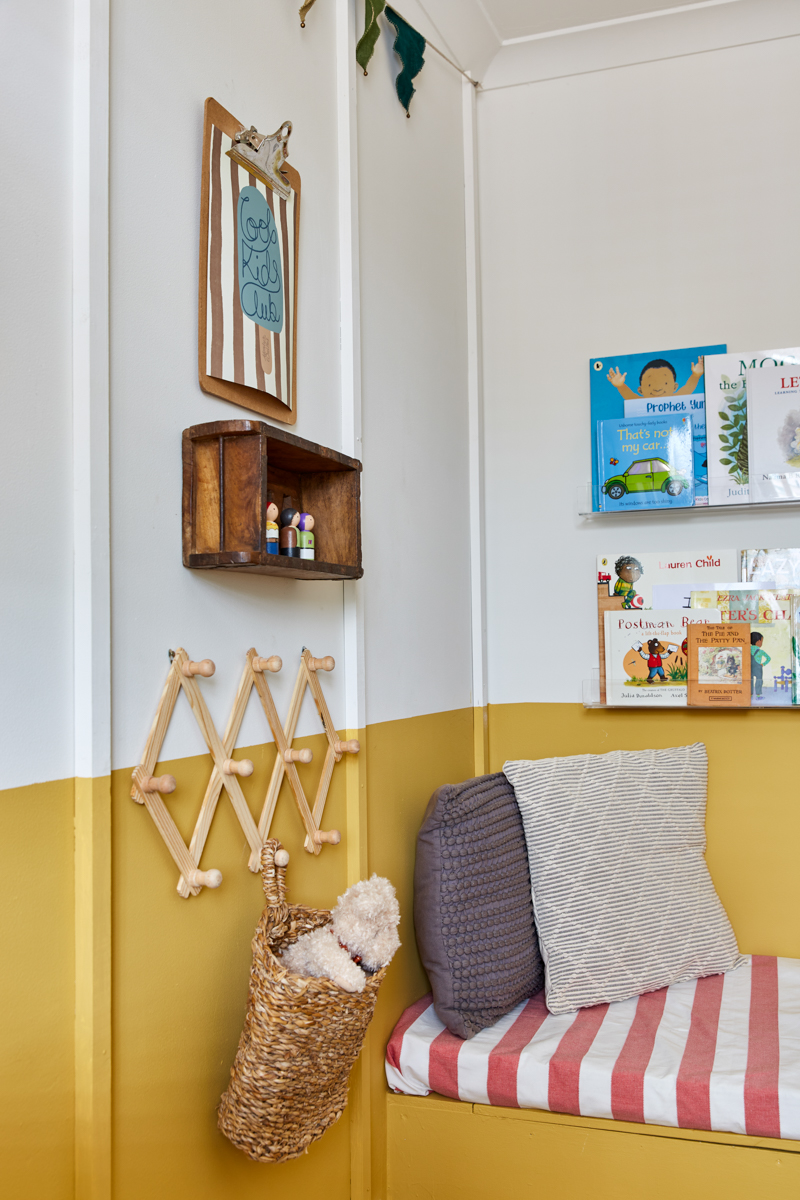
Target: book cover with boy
[
  {"x": 719, "y": 665},
  {"x": 794, "y": 630},
  {"x": 645, "y": 463},
  {"x": 771, "y": 664},
  {"x": 653, "y": 579},
  {"x": 646, "y": 664},
  {"x": 657, "y": 384},
  {"x": 726, "y": 419},
  {"x": 773, "y": 430}
]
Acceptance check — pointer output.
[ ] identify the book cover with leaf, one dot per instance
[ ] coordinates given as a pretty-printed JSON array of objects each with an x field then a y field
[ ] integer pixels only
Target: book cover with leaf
[
  {"x": 773, "y": 431},
  {"x": 652, "y": 579},
  {"x": 646, "y": 655},
  {"x": 646, "y": 463},
  {"x": 719, "y": 665},
  {"x": 623, "y": 385},
  {"x": 726, "y": 419}
]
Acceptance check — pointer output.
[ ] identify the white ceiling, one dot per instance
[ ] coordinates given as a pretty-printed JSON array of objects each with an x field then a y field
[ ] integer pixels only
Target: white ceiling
[{"x": 519, "y": 18}]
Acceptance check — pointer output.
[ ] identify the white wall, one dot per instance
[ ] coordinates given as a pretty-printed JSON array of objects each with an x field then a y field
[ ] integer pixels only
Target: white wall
[
  {"x": 260, "y": 65},
  {"x": 35, "y": 353},
  {"x": 627, "y": 209},
  {"x": 413, "y": 307},
  {"x": 165, "y": 59}
]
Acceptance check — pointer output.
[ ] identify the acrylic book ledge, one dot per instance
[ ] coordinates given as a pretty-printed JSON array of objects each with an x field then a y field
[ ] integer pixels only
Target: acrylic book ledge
[
  {"x": 585, "y": 510},
  {"x": 591, "y": 699}
]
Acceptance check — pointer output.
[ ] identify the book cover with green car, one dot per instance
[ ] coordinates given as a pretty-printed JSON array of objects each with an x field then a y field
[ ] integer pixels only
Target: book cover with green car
[{"x": 645, "y": 463}]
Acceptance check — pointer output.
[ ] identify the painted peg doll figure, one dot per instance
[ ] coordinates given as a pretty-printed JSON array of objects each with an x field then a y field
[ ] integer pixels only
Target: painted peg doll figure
[
  {"x": 290, "y": 519},
  {"x": 305, "y": 538},
  {"x": 272, "y": 528}
]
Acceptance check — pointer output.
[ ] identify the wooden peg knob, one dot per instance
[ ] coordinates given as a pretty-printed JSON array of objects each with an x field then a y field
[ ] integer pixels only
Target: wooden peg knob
[
  {"x": 332, "y": 837},
  {"x": 232, "y": 766},
  {"x": 351, "y": 747},
  {"x": 206, "y": 668},
  {"x": 321, "y": 664},
  {"x": 158, "y": 783},
  {"x": 281, "y": 858},
  {"x": 209, "y": 879},
  {"x": 303, "y": 756},
  {"x": 268, "y": 664}
]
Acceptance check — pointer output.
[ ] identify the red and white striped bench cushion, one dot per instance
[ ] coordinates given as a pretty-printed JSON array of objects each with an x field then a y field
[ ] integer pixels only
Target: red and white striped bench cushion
[{"x": 720, "y": 1053}]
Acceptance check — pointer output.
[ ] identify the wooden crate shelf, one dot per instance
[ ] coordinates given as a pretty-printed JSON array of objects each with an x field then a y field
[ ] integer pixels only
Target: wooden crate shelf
[{"x": 228, "y": 469}]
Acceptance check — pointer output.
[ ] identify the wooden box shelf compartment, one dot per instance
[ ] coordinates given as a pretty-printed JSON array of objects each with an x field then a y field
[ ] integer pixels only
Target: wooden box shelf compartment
[{"x": 228, "y": 468}]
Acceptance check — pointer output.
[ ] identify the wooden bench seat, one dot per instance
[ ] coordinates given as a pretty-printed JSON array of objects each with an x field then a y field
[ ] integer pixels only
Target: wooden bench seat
[{"x": 440, "y": 1149}]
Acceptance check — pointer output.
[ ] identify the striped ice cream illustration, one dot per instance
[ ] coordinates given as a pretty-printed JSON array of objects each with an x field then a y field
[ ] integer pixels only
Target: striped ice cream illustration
[{"x": 237, "y": 348}]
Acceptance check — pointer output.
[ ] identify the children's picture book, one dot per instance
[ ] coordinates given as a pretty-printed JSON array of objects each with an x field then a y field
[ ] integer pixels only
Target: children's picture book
[
  {"x": 795, "y": 635},
  {"x": 632, "y": 580},
  {"x": 646, "y": 663},
  {"x": 726, "y": 419},
  {"x": 645, "y": 463},
  {"x": 747, "y": 604},
  {"x": 719, "y": 664},
  {"x": 771, "y": 665},
  {"x": 773, "y": 429},
  {"x": 661, "y": 383},
  {"x": 771, "y": 568}
]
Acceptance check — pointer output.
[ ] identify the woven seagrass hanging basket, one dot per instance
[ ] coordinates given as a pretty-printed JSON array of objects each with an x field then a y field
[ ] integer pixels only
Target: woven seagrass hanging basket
[{"x": 300, "y": 1038}]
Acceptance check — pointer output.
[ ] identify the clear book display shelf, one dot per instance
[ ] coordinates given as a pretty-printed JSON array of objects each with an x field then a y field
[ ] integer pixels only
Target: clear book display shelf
[
  {"x": 584, "y": 508},
  {"x": 775, "y": 693}
]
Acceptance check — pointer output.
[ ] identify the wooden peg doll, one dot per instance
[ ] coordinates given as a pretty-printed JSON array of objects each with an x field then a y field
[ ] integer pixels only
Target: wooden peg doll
[
  {"x": 290, "y": 518},
  {"x": 272, "y": 528},
  {"x": 305, "y": 538}
]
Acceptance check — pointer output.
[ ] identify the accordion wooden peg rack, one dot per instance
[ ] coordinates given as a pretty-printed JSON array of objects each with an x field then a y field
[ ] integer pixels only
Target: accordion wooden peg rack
[{"x": 149, "y": 789}]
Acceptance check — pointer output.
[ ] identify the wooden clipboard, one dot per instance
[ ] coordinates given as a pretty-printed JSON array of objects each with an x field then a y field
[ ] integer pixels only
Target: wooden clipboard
[{"x": 246, "y": 396}]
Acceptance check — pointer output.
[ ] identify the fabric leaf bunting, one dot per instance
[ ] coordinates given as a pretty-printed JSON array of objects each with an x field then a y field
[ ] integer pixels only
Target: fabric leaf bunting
[
  {"x": 372, "y": 31},
  {"x": 409, "y": 46},
  {"x": 303, "y": 10}
]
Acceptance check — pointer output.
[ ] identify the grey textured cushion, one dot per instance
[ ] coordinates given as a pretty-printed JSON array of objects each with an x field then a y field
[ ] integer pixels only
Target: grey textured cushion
[
  {"x": 623, "y": 899},
  {"x": 472, "y": 905}
]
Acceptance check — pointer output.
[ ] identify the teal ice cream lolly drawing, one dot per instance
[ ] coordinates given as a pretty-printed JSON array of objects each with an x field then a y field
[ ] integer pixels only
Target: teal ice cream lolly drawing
[{"x": 260, "y": 272}]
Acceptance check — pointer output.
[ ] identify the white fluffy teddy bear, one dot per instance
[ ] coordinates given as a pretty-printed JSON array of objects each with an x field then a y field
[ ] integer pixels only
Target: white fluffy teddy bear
[{"x": 360, "y": 939}]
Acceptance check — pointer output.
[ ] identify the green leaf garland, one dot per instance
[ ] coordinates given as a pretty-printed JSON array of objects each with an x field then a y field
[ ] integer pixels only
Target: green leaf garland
[
  {"x": 409, "y": 46},
  {"x": 372, "y": 31},
  {"x": 303, "y": 10}
]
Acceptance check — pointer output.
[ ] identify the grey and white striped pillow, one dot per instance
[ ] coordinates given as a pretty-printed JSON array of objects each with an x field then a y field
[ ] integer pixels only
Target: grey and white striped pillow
[{"x": 622, "y": 897}]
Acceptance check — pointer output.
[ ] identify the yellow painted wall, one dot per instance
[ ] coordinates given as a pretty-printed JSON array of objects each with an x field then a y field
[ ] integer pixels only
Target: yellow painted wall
[
  {"x": 406, "y": 762},
  {"x": 180, "y": 986},
  {"x": 36, "y": 992},
  {"x": 753, "y": 815},
  {"x": 180, "y": 968},
  {"x": 458, "y": 1151}
]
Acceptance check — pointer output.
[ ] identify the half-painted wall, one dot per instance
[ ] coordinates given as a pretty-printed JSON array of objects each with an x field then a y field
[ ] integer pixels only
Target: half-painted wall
[
  {"x": 179, "y": 969},
  {"x": 642, "y": 207}
]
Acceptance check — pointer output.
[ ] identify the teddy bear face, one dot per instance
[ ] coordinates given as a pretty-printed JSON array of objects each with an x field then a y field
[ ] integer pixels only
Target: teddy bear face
[{"x": 365, "y": 921}]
